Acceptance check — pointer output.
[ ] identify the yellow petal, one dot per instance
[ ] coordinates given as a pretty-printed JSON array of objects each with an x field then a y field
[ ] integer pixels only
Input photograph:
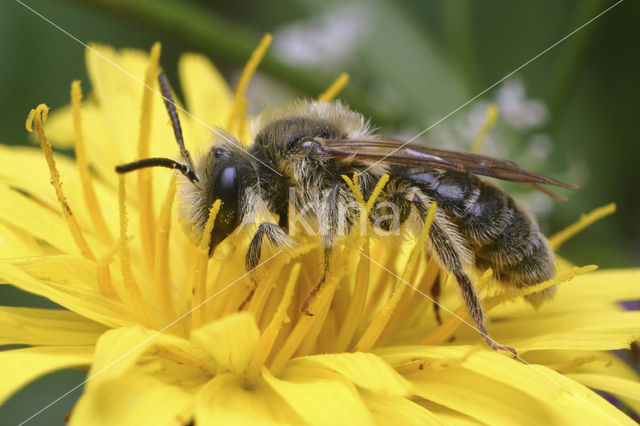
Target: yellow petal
[
  {"x": 231, "y": 341},
  {"x": 59, "y": 130},
  {"x": 587, "y": 292},
  {"x": 447, "y": 415},
  {"x": 226, "y": 401},
  {"x": 19, "y": 159},
  {"x": 597, "y": 331},
  {"x": 32, "y": 326},
  {"x": 624, "y": 388},
  {"x": 100, "y": 150},
  {"x": 21, "y": 366},
  {"x": 118, "y": 91},
  {"x": 27, "y": 215},
  {"x": 74, "y": 271},
  {"x": 396, "y": 410},
  {"x": 15, "y": 242},
  {"x": 82, "y": 301},
  {"x": 482, "y": 399},
  {"x": 365, "y": 370},
  {"x": 116, "y": 352},
  {"x": 207, "y": 95},
  {"x": 495, "y": 389},
  {"x": 132, "y": 400},
  {"x": 320, "y": 396}
]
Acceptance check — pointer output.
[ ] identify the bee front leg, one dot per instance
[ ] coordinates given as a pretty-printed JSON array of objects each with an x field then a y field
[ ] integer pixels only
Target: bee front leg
[{"x": 276, "y": 235}]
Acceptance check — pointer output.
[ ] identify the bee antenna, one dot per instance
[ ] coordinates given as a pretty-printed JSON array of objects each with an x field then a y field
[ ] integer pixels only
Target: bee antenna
[
  {"x": 158, "y": 162},
  {"x": 173, "y": 116}
]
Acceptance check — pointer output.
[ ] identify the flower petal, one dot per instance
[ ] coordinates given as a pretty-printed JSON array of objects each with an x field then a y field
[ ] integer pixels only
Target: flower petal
[
  {"x": 19, "y": 211},
  {"x": 119, "y": 95},
  {"x": 83, "y": 301},
  {"x": 395, "y": 410},
  {"x": 481, "y": 398},
  {"x": 603, "y": 330},
  {"x": 21, "y": 366},
  {"x": 37, "y": 181},
  {"x": 33, "y": 326},
  {"x": 132, "y": 400},
  {"x": 231, "y": 341},
  {"x": 447, "y": 415},
  {"x": 365, "y": 370},
  {"x": 16, "y": 242},
  {"x": 226, "y": 401},
  {"x": 116, "y": 352},
  {"x": 207, "y": 95},
  {"x": 498, "y": 390},
  {"x": 624, "y": 388},
  {"x": 319, "y": 395},
  {"x": 588, "y": 292}
]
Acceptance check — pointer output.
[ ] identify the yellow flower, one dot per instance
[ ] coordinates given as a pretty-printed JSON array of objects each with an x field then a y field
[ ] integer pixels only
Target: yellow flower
[{"x": 129, "y": 279}]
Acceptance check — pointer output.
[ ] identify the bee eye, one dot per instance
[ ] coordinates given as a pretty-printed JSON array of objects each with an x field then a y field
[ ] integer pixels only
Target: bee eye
[{"x": 225, "y": 186}]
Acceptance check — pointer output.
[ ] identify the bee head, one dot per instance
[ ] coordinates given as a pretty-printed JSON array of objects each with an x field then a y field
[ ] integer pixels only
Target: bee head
[{"x": 223, "y": 172}]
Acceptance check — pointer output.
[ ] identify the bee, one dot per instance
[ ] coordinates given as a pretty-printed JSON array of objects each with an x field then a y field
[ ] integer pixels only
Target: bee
[{"x": 296, "y": 161}]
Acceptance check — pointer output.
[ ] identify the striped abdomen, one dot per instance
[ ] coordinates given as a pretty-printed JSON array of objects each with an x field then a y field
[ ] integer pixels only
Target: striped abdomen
[{"x": 501, "y": 234}]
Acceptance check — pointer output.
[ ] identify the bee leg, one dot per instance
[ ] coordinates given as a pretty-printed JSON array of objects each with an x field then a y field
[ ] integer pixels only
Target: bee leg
[
  {"x": 332, "y": 224},
  {"x": 436, "y": 288},
  {"x": 316, "y": 288},
  {"x": 276, "y": 236},
  {"x": 247, "y": 299},
  {"x": 450, "y": 253}
]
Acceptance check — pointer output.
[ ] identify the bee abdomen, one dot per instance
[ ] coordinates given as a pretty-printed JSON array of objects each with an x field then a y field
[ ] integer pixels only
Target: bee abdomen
[{"x": 516, "y": 251}]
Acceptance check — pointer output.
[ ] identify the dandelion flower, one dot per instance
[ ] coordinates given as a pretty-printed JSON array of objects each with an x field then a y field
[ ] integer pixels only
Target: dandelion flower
[{"x": 156, "y": 322}]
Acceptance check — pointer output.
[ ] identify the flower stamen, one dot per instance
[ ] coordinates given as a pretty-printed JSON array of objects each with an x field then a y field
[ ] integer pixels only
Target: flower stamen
[
  {"x": 361, "y": 284},
  {"x": 161, "y": 256},
  {"x": 585, "y": 220},
  {"x": 130, "y": 284},
  {"x": 199, "y": 287},
  {"x": 93, "y": 206},
  {"x": 104, "y": 273},
  {"x": 410, "y": 303},
  {"x": 145, "y": 194},
  {"x": 335, "y": 88},
  {"x": 490, "y": 120},
  {"x": 236, "y": 119},
  {"x": 36, "y": 117},
  {"x": 373, "y": 332},
  {"x": 319, "y": 305},
  {"x": 269, "y": 335}
]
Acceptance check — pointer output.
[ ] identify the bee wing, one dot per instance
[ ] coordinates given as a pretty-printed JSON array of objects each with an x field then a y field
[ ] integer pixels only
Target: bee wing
[{"x": 391, "y": 151}]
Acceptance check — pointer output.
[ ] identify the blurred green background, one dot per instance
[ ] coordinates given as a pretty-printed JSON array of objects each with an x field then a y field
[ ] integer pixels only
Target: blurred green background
[{"x": 570, "y": 114}]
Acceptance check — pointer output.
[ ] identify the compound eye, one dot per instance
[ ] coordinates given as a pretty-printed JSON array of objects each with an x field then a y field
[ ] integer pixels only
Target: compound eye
[{"x": 225, "y": 186}]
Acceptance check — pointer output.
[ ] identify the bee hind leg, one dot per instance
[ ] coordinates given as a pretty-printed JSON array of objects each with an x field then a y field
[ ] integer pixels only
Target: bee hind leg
[{"x": 450, "y": 254}]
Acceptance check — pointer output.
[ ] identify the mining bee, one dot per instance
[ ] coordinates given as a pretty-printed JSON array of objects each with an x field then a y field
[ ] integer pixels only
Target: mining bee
[{"x": 297, "y": 158}]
